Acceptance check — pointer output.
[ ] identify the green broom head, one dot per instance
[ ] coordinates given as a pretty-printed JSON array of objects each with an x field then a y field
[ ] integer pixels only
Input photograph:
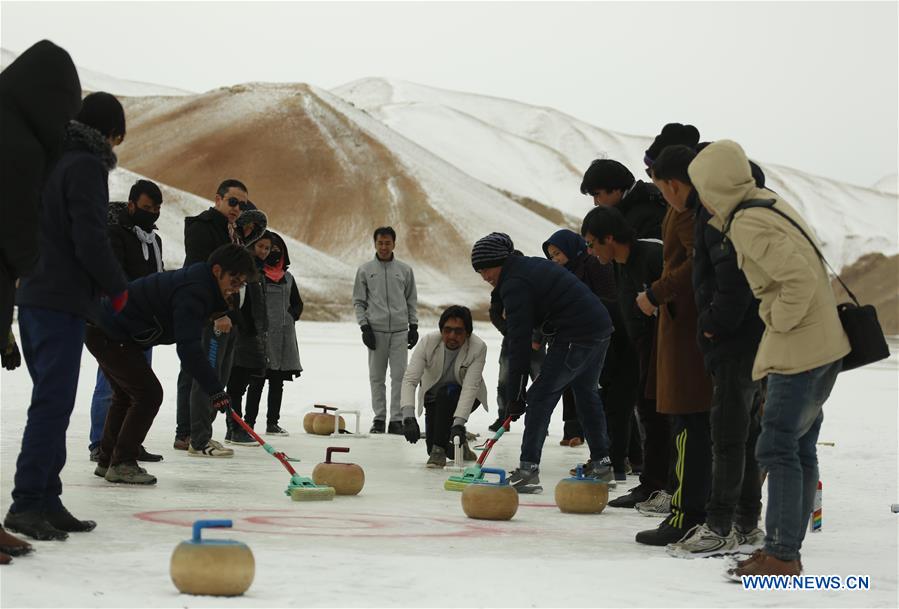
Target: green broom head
[
  {"x": 304, "y": 489},
  {"x": 470, "y": 475}
]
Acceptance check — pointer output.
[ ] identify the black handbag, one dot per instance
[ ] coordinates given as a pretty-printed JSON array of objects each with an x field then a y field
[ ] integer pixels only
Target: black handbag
[{"x": 859, "y": 321}]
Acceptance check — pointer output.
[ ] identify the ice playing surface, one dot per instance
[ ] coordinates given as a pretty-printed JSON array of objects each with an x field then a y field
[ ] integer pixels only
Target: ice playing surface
[{"x": 404, "y": 541}]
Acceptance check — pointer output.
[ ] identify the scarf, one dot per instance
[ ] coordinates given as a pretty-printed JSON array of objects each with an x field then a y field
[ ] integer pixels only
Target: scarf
[
  {"x": 146, "y": 239},
  {"x": 234, "y": 235},
  {"x": 275, "y": 273}
]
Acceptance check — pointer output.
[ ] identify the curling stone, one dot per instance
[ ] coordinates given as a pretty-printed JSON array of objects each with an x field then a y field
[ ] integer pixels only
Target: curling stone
[
  {"x": 321, "y": 423},
  {"x": 345, "y": 478},
  {"x": 216, "y": 567},
  {"x": 579, "y": 495},
  {"x": 490, "y": 500}
]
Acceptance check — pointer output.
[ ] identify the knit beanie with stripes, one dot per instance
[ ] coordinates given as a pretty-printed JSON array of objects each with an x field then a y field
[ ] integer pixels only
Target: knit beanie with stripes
[{"x": 491, "y": 251}]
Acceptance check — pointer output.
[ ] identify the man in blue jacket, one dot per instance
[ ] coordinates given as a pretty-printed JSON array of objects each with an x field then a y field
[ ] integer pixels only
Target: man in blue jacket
[
  {"x": 537, "y": 293},
  {"x": 163, "y": 308}
]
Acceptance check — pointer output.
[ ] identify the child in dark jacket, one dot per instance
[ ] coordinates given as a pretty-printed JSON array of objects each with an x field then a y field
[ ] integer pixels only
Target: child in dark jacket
[{"x": 284, "y": 308}]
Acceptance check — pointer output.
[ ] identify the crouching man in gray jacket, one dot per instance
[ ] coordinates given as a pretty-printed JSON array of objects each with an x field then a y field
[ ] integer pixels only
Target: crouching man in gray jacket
[
  {"x": 448, "y": 365},
  {"x": 386, "y": 303}
]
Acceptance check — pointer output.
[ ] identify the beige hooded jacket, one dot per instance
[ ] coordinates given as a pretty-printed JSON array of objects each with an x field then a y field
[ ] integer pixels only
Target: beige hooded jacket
[{"x": 802, "y": 329}]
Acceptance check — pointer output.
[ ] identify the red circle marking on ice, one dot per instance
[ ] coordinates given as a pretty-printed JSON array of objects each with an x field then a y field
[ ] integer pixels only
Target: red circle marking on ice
[{"x": 255, "y": 519}]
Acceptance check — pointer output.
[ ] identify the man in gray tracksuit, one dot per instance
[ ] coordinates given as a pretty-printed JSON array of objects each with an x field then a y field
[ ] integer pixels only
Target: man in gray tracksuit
[{"x": 386, "y": 301}]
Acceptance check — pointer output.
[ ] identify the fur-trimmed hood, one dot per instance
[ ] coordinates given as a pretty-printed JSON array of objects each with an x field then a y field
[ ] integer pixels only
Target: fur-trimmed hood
[
  {"x": 81, "y": 137},
  {"x": 259, "y": 221}
]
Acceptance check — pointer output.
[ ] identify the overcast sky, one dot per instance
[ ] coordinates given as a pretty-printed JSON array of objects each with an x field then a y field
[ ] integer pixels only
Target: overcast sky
[{"x": 810, "y": 85}]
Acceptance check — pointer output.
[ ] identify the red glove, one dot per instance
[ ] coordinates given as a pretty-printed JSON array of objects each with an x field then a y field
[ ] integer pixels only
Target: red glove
[{"x": 119, "y": 301}]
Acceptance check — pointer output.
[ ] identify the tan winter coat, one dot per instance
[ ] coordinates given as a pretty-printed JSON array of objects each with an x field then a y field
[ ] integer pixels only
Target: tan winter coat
[
  {"x": 802, "y": 329},
  {"x": 682, "y": 384}
]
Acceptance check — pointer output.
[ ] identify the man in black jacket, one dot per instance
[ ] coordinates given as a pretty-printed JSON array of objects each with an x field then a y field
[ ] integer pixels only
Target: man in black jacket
[
  {"x": 638, "y": 263},
  {"x": 39, "y": 94},
  {"x": 729, "y": 331},
  {"x": 611, "y": 184},
  {"x": 202, "y": 235},
  {"x": 138, "y": 249},
  {"x": 538, "y": 293},
  {"x": 163, "y": 308},
  {"x": 76, "y": 266}
]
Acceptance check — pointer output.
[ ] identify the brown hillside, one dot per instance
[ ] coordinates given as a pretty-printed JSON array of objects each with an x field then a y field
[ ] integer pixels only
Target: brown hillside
[
  {"x": 874, "y": 279},
  {"x": 318, "y": 176}
]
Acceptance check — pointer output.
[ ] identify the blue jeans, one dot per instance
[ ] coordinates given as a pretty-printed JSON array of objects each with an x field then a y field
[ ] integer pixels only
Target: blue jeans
[
  {"x": 786, "y": 451},
  {"x": 574, "y": 365},
  {"x": 100, "y": 403},
  {"x": 51, "y": 344}
]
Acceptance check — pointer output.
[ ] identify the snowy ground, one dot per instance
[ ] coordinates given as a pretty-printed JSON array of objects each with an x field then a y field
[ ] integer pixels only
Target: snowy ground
[{"x": 405, "y": 541}]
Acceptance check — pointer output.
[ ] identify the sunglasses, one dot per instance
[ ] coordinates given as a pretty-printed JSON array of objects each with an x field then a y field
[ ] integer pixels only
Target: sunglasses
[{"x": 235, "y": 202}]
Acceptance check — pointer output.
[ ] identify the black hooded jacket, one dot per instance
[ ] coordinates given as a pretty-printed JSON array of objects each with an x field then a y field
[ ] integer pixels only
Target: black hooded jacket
[
  {"x": 643, "y": 209},
  {"x": 127, "y": 247},
  {"x": 203, "y": 234}
]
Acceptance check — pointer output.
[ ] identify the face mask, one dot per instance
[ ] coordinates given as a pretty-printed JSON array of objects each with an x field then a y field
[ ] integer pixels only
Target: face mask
[
  {"x": 273, "y": 258},
  {"x": 144, "y": 219}
]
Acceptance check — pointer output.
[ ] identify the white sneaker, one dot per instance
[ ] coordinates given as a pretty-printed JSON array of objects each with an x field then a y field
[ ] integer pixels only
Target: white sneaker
[
  {"x": 659, "y": 503},
  {"x": 212, "y": 449},
  {"x": 701, "y": 542},
  {"x": 750, "y": 541}
]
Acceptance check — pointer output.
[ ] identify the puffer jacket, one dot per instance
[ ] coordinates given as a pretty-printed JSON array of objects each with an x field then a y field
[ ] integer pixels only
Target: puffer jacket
[
  {"x": 802, "y": 328},
  {"x": 384, "y": 296}
]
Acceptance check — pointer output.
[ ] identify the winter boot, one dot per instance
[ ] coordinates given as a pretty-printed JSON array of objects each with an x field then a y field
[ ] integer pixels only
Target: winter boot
[
  {"x": 129, "y": 473},
  {"x": 64, "y": 521},
  {"x": 763, "y": 563},
  {"x": 636, "y": 495},
  {"x": 701, "y": 542},
  {"x": 662, "y": 535},
  {"x": 34, "y": 525},
  {"x": 240, "y": 437},
  {"x": 12, "y": 545},
  {"x": 658, "y": 504},
  {"x": 526, "y": 481},
  {"x": 143, "y": 455},
  {"x": 437, "y": 459},
  {"x": 395, "y": 428},
  {"x": 212, "y": 449},
  {"x": 377, "y": 426}
]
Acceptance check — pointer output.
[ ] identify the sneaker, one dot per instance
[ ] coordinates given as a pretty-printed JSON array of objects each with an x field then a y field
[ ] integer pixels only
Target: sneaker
[
  {"x": 659, "y": 503},
  {"x": 601, "y": 471},
  {"x": 437, "y": 459},
  {"x": 95, "y": 454},
  {"x": 395, "y": 428},
  {"x": 129, "y": 473},
  {"x": 64, "y": 521},
  {"x": 661, "y": 535},
  {"x": 636, "y": 495},
  {"x": 181, "y": 443},
  {"x": 212, "y": 449},
  {"x": 702, "y": 542},
  {"x": 525, "y": 481},
  {"x": 749, "y": 541},
  {"x": 143, "y": 455},
  {"x": 275, "y": 430},
  {"x": 377, "y": 426},
  {"x": 240, "y": 437},
  {"x": 100, "y": 470},
  {"x": 762, "y": 563},
  {"x": 34, "y": 525}
]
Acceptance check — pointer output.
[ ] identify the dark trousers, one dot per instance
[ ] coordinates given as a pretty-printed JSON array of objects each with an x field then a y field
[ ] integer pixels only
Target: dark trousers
[
  {"x": 440, "y": 406},
  {"x": 201, "y": 412},
  {"x": 656, "y": 426},
  {"x": 182, "y": 404},
  {"x": 693, "y": 469},
  {"x": 572, "y": 427},
  {"x": 136, "y": 396},
  {"x": 619, "y": 383},
  {"x": 567, "y": 364},
  {"x": 52, "y": 342},
  {"x": 736, "y": 495},
  {"x": 242, "y": 382}
]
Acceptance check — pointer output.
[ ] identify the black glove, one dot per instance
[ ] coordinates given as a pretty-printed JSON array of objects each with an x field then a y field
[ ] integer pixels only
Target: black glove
[
  {"x": 411, "y": 429},
  {"x": 10, "y": 357},
  {"x": 221, "y": 401},
  {"x": 413, "y": 335},
  {"x": 518, "y": 403},
  {"x": 457, "y": 431},
  {"x": 368, "y": 337}
]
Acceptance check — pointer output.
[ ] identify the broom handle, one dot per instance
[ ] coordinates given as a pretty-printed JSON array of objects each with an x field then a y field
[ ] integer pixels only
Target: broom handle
[
  {"x": 278, "y": 455},
  {"x": 494, "y": 439}
]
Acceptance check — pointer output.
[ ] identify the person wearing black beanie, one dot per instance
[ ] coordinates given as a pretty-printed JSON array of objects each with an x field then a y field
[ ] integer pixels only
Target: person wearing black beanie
[
  {"x": 672, "y": 134},
  {"x": 103, "y": 112},
  {"x": 537, "y": 292}
]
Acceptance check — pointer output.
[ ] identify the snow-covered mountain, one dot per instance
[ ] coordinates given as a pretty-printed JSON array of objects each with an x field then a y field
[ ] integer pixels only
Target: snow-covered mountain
[
  {"x": 92, "y": 80},
  {"x": 889, "y": 184},
  {"x": 328, "y": 174},
  {"x": 541, "y": 153}
]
